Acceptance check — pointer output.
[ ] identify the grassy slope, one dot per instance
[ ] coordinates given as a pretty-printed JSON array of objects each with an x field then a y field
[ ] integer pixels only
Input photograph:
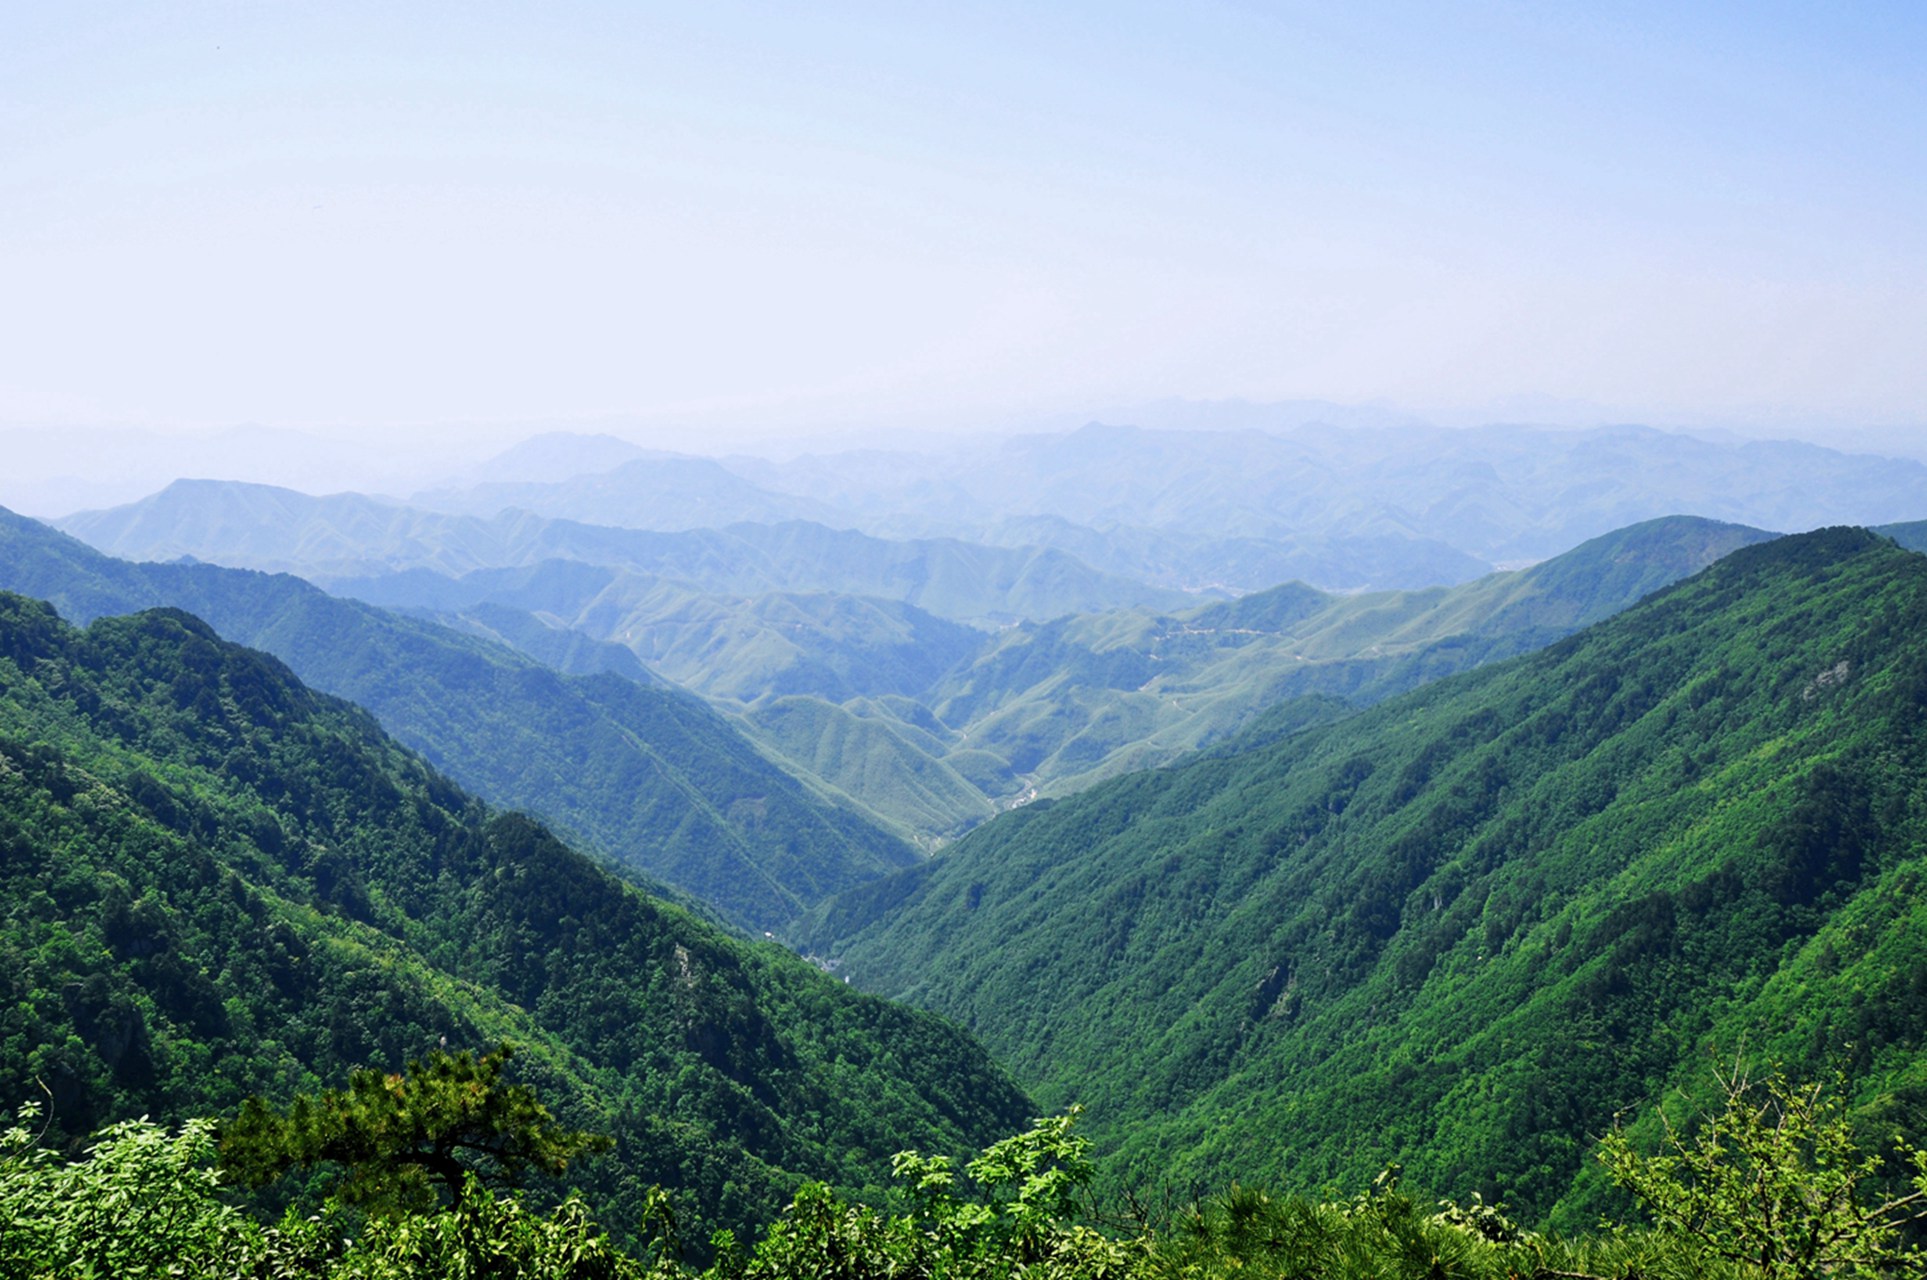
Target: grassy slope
[{"x": 1461, "y": 929}]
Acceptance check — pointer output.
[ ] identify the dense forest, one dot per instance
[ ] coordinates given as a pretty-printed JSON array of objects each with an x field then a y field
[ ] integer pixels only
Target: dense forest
[
  {"x": 218, "y": 883},
  {"x": 1431, "y": 973},
  {"x": 1465, "y": 928}
]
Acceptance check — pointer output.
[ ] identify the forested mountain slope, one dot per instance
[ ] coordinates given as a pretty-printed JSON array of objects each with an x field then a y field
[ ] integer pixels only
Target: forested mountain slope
[
  {"x": 1912, "y": 534},
  {"x": 1048, "y": 709},
  {"x": 1464, "y": 928},
  {"x": 938, "y": 727},
  {"x": 651, "y": 778},
  {"x": 215, "y": 882},
  {"x": 1071, "y": 702},
  {"x": 934, "y": 726}
]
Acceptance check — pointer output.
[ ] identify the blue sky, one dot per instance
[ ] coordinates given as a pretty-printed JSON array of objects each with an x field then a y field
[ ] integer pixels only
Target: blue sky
[{"x": 357, "y": 215}]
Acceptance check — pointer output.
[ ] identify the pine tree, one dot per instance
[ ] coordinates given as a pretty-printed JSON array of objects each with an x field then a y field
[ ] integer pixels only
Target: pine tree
[{"x": 447, "y": 1116}]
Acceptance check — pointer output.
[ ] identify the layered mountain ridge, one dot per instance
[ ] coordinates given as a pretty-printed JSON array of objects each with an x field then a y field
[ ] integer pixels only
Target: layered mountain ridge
[
  {"x": 932, "y": 725},
  {"x": 1464, "y": 928},
  {"x": 649, "y": 777}
]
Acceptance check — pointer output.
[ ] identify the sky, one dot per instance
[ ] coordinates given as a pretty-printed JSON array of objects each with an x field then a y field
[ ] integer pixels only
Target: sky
[{"x": 699, "y": 219}]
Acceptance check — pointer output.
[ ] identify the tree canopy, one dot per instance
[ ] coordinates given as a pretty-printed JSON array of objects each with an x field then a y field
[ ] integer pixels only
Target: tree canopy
[{"x": 447, "y": 1118}]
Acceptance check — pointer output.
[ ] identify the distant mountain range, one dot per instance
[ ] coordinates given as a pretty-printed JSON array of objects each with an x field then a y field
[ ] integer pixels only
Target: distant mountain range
[
  {"x": 935, "y": 726},
  {"x": 1466, "y": 928},
  {"x": 668, "y": 492},
  {"x": 1355, "y": 503},
  {"x": 649, "y": 777},
  {"x": 1493, "y": 495},
  {"x": 927, "y": 724},
  {"x": 347, "y": 539}
]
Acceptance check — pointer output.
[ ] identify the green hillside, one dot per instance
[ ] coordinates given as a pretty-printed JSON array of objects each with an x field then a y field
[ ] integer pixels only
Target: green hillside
[
  {"x": 216, "y": 882},
  {"x": 887, "y": 754},
  {"x": 652, "y": 778},
  {"x": 1912, "y": 534},
  {"x": 1072, "y": 702},
  {"x": 1052, "y": 708},
  {"x": 1466, "y": 927}
]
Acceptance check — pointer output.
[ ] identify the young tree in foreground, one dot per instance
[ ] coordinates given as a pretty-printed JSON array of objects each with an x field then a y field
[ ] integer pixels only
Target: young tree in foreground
[
  {"x": 143, "y": 1202},
  {"x": 1775, "y": 1183},
  {"x": 448, "y": 1116}
]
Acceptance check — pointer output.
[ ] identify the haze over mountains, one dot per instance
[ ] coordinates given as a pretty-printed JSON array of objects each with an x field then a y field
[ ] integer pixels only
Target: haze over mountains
[
  {"x": 1285, "y": 874},
  {"x": 1341, "y": 507},
  {"x": 1065, "y": 636},
  {"x": 1325, "y": 502}
]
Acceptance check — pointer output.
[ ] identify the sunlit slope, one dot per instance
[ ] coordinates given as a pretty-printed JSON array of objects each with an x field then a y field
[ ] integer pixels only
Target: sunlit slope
[
  {"x": 650, "y": 777},
  {"x": 1071, "y": 702},
  {"x": 1052, "y": 708},
  {"x": 219, "y": 882},
  {"x": 742, "y": 649},
  {"x": 1464, "y": 927},
  {"x": 886, "y": 753}
]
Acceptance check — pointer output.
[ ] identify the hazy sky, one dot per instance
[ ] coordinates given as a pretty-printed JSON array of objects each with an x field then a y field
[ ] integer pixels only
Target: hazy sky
[{"x": 358, "y": 214}]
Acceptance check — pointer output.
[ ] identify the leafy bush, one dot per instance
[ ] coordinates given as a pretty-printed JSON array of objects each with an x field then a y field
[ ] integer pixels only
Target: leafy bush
[
  {"x": 143, "y": 1203},
  {"x": 1775, "y": 1183},
  {"x": 1769, "y": 1188}
]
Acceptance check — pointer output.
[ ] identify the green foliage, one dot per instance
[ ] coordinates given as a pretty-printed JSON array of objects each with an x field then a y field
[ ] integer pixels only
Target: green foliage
[
  {"x": 1384, "y": 1234},
  {"x": 216, "y": 883},
  {"x": 143, "y": 1202},
  {"x": 1465, "y": 927},
  {"x": 450, "y": 1117},
  {"x": 479, "y": 1236},
  {"x": 146, "y": 1203},
  {"x": 1774, "y": 1183},
  {"x": 1019, "y": 1221}
]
